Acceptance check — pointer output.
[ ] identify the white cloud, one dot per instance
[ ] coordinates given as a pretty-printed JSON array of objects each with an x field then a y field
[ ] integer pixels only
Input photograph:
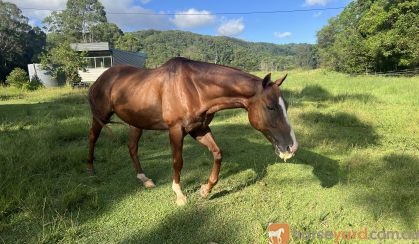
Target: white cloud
[
  {"x": 40, "y": 4},
  {"x": 145, "y": 1},
  {"x": 282, "y": 34},
  {"x": 193, "y": 18},
  {"x": 35, "y": 14},
  {"x": 132, "y": 22},
  {"x": 231, "y": 27},
  {"x": 316, "y": 2},
  {"x": 32, "y": 22},
  {"x": 317, "y": 14},
  {"x": 127, "y": 22}
]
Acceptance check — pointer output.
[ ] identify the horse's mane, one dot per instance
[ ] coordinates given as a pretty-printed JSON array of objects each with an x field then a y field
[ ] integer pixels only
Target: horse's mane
[{"x": 173, "y": 64}]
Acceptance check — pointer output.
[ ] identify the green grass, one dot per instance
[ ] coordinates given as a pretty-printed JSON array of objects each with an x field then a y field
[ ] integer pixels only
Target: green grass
[{"x": 357, "y": 166}]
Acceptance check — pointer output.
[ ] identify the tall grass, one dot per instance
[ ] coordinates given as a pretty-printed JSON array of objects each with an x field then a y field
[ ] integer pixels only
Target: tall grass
[{"x": 357, "y": 167}]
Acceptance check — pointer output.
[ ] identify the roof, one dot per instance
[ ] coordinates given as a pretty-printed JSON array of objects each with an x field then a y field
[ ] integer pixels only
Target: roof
[
  {"x": 139, "y": 53},
  {"x": 124, "y": 57},
  {"x": 93, "y": 46}
]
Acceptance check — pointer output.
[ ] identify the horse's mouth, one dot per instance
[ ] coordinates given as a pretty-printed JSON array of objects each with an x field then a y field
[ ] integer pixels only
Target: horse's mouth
[{"x": 283, "y": 155}]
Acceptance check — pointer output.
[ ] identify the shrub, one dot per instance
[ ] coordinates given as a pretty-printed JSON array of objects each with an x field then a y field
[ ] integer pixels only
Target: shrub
[
  {"x": 17, "y": 78},
  {"x": 34, "y": 84}
]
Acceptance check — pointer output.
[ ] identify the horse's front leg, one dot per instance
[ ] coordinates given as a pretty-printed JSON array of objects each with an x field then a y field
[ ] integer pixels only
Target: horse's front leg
[
  {"x": 205, "y": 138},
  {"x": 177, "y": 134}
]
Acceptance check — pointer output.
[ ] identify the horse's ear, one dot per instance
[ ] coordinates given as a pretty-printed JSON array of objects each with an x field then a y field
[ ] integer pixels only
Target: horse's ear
[
  {"x": 266, "y": 80},
  {"x": 280, "y": 80}
]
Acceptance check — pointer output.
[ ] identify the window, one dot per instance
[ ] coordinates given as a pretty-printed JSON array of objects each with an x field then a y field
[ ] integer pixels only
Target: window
[
  {"x": 99, "y": 62},
  {"x": 91, "y": 63},
  {"x": 107, "y": 61}
]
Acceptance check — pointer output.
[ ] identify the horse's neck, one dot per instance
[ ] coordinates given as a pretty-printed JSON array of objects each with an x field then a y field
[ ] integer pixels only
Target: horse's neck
[{"x": 236, "y": 91}]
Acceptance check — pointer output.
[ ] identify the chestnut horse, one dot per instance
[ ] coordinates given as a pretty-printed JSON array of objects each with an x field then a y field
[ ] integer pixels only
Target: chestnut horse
[{"x": 182, "y": 96}]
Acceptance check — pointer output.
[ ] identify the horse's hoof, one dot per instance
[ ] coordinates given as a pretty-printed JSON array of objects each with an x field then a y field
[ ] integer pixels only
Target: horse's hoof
[
  {"x": 181, "y": 201},
  {"x": 204, "y": 191},
  {"x": 149, "y": 184}
]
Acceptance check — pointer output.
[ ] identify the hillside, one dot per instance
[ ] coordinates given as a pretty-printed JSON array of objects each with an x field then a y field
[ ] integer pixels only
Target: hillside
[{"x": 162, "y": 45}]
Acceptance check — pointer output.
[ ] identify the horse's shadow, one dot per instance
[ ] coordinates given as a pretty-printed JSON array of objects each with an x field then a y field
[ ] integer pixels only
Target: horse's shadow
[
  {"x": 246, "y": 155},
  {"x": 186, "y": 225},
  {"x": 316, "y": 93}
]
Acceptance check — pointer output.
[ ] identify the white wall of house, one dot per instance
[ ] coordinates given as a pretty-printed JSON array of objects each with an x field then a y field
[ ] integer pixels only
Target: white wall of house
[{"x": 91, "y": 75}]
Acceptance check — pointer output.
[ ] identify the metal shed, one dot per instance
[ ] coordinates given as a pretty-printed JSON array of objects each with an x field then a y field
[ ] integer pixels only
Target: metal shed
[{"x": 45, "y": 76}]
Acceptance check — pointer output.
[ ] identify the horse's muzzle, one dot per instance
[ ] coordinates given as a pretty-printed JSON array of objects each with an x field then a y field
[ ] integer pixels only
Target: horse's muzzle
[{"x": 285, "y": 154}]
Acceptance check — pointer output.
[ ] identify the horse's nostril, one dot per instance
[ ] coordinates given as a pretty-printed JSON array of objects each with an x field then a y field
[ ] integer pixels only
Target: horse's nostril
[{"x": 292, "y": 148}]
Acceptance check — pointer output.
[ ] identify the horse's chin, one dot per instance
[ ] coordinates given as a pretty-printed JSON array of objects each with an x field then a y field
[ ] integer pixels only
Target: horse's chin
[{"x": 284, "y": 155}]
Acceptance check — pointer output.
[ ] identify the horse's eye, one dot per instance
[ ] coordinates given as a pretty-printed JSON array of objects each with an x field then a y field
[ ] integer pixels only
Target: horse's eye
[{"x": 270, "y": 107}]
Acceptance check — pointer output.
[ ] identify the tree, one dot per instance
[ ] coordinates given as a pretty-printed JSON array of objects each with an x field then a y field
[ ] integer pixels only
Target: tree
[
  {"x": 77, "y": 20},
  {"x": 62, "y": 60},
  {"x": 369, "y": 35},
  {"x": 105, "y": 32},
  {"x": 306, "y": 56},
  {"x": 129, "y": 42},
  {"x": 19, "y": 42}
]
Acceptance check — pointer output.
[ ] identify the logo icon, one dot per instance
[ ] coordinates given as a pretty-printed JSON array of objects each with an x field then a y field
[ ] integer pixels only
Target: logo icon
[{"x": 279, "y": 233}]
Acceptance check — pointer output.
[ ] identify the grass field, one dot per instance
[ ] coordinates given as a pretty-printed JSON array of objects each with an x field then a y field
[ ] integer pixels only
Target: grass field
[{"x": 357, "y": 166}]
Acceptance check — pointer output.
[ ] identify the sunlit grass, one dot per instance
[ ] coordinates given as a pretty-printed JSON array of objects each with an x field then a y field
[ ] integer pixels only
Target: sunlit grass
[{"x": 357, "y": 166}]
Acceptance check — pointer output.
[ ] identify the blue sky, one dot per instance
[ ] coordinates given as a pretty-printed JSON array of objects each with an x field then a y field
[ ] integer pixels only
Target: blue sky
[{"x": 200, "y": 17}]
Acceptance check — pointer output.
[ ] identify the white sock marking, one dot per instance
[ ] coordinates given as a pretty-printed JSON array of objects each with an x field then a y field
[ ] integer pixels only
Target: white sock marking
[
  {"x": 176, "y": 188},
  {"x": 142, "y": 177}
]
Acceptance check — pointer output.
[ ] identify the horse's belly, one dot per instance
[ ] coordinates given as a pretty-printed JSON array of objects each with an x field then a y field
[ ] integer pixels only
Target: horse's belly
[
  {"x": 139, "y": 104},
  {"x": 141, "y": 111},
  {"x": 145, "y": 119}
]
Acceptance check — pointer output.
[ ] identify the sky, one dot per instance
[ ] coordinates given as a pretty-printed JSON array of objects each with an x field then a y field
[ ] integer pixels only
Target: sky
[{"x": 209, "y": 17}]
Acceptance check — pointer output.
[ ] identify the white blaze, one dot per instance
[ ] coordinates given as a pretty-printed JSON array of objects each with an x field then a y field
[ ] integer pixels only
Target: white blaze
[{"x": 284, "y": 112}]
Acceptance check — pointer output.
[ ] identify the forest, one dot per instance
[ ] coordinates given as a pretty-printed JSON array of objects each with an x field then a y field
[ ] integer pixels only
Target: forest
[
  {"x": 371, "y": 36},
  {"x": 250, "y": 56}
]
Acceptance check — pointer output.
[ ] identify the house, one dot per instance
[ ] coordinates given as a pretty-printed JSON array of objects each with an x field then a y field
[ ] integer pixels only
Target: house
[{"x": 100, "y": 57}]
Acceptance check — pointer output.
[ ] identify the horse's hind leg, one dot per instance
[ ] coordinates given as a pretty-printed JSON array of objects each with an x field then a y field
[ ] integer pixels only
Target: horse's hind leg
[
  {"x": 94, "y": 135},
  {"x": 133, "y": 138},
  {"x": 205, "y": 138}
]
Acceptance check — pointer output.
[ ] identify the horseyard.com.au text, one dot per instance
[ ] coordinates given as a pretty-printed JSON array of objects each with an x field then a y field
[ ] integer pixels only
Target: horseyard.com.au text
[
  {"x": 363, "y": 234},
  {"x": 282, "y": 233}
]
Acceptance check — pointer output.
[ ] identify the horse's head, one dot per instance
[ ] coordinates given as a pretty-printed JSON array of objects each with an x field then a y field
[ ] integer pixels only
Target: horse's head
[{"x": 268, "y": 114}]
